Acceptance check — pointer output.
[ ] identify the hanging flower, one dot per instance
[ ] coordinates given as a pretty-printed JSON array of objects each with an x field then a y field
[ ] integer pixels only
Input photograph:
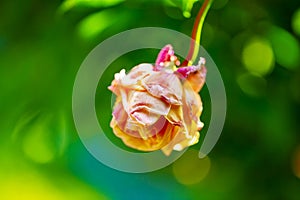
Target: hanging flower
[{"x": 158, "y": 106}]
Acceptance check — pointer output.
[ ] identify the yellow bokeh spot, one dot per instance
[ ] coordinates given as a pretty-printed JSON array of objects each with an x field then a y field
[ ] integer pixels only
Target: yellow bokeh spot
[
  {"x": 296, "y": 22},
  {"x": 189, "y": 169},
  {"x": 258, "y": 56}
]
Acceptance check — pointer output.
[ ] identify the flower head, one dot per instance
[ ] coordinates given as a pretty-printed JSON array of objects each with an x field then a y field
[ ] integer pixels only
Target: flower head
[{"x": 158, "y": 106}]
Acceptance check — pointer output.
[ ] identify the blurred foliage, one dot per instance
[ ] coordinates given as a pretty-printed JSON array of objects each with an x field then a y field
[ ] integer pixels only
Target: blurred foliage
[{"x": 255, "y": 44}]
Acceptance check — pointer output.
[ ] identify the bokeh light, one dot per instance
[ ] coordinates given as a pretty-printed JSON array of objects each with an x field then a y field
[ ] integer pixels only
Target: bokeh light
[
  {"x": 42, "y": 137},
  {"x": 258, "y": 56},
  {"x": 189, "y": 169},
  {"x": 296, "y": 21},
  {"x": 286, "y": 48},
  {"x": 252, "y": 84},
  {"x": 36, "y": 145}
]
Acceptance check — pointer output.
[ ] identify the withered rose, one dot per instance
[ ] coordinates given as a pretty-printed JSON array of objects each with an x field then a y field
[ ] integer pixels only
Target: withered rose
[{"x": 158, "y": 106}]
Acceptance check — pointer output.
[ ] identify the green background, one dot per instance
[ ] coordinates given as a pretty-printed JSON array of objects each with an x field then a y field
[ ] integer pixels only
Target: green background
[{"x": 255, "y": 45}]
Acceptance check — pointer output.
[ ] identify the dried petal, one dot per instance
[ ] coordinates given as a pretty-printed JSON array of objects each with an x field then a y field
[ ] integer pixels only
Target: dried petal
[
  {"x": 136, "y": 74},
  {"x": 132, "y": 127},
  {"x": 156, "y": 142},
  {"x": 164, "y": 85},
  {"x": 194, "y": 74},
  {"x": 131, "y": 80},
  {"x": 146, "y": 108},
  {"x": 175, "y": 116},
  {"x": 197, "y": 79},
  {"x": 192, "y": 108}
]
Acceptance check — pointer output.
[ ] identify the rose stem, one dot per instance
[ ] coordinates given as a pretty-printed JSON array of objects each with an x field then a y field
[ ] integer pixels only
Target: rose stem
[{"x": 196, "y": 33}]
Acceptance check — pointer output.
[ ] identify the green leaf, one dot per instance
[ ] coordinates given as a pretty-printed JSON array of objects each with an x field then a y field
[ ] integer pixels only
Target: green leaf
[
  {"x": 94, "y": 24},
  {"x": 69, "y": 4}
]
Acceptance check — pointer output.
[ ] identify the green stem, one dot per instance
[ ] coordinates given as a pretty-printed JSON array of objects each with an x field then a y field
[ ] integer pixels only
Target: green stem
[{"x": 196, "y": 33}]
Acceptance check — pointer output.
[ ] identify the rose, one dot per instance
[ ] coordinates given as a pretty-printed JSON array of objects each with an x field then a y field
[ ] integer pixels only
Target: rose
[{"x": 158, "y": 106}]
